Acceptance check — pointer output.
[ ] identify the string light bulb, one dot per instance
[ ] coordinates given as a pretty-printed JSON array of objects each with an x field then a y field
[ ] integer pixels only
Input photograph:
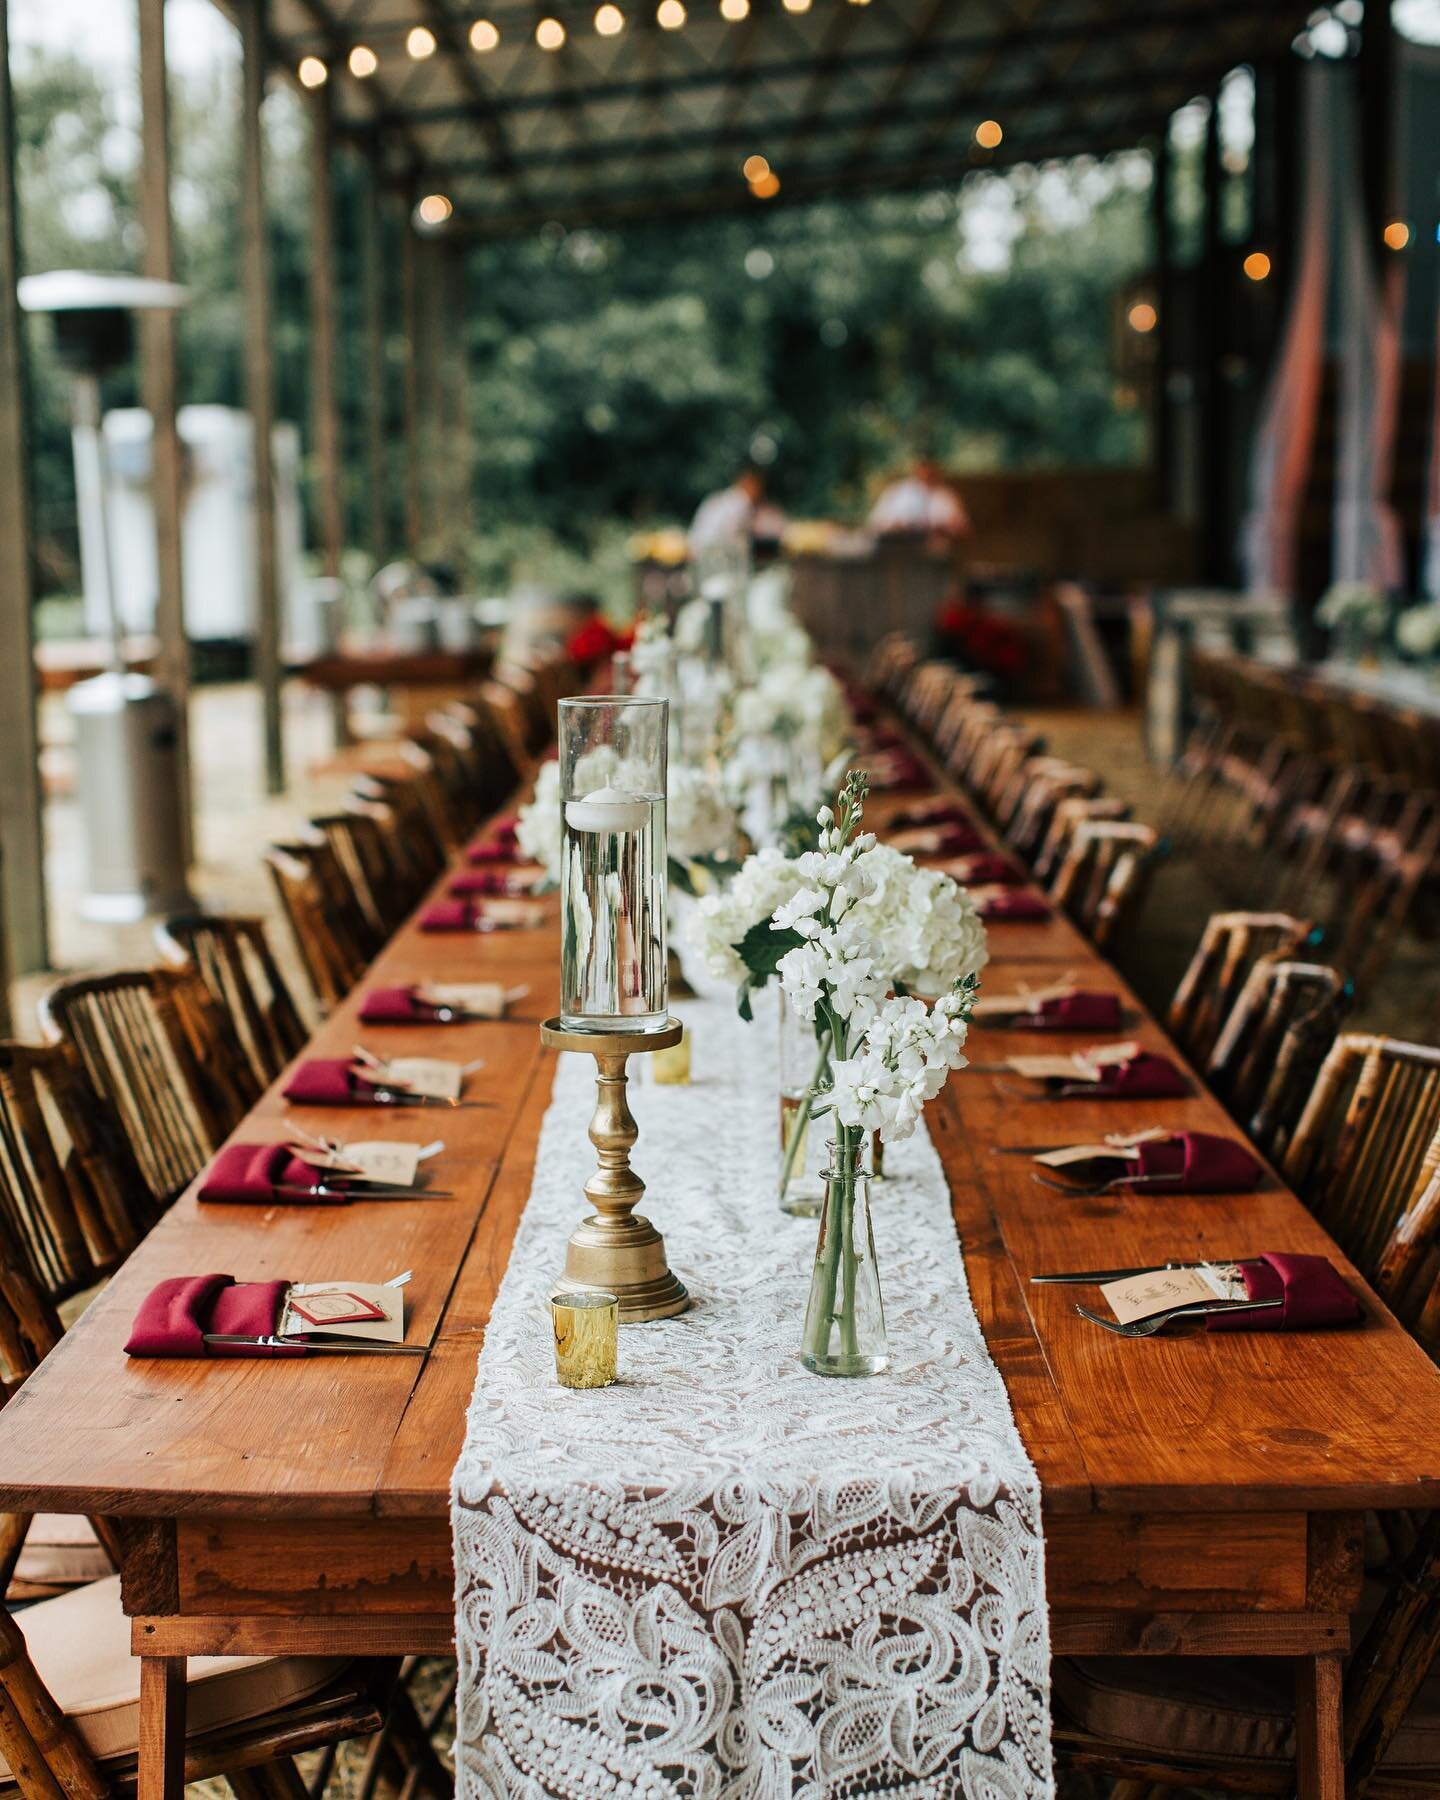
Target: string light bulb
[
  {"x": 420, "y": 42},
  {"x": 988, "y": 134},
  {"x": 767, "y": 187},
  {"x": 1396, "y": 234},
  {"x": 549, "y": 34},
  {"x": 1256, "y": 265},
  {"x": 734, "y": 10},
  {"x": 362, "y": 62},
  {"x": 796, "y": 6},
  {"x": 609, "y": 20},
  {"x": 434, "y": 209},
  {"x": 484, "y": 36},
  {"x": 312, "y": 72},
  {"x": 755, "y": 168},
  {"x": 1142, "y": 317},
  {"x": 670, "y": 15}
]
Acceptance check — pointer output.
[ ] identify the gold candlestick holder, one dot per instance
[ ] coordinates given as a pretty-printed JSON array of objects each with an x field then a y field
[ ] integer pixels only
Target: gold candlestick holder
[{"x": 615, "y": 1250}]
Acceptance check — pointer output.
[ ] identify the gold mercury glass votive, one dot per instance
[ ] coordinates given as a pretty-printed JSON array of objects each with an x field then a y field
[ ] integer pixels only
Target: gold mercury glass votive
[
  {"x": 587, "y": 1330},
  {"x": 672, "y": 1067}
]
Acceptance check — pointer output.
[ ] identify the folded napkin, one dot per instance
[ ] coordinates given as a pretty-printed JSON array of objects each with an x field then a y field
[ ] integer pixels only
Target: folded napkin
[
  {"x": 485, "y": 881},
  {"x": 939, "y": 812},
  {"x": 988, "y": 868},
  {"x": 451, "y": 915},
  {"x": 1144, "y": 1077},
  {"x": 248, "y": 1174},
  {"x": 401, "y": 1006},
  {"x": 1013, "y": 904},
  {"x": 900, "y": 770},
  {"x": 175, "y": 1316},
  {"x": 1310, "y": 1289},
  {"x": 1190, "y": 1162},
  {"x": 1080, "y": 1011},
  {"x": 329, "y": 1081},
  {"x": 492, "y": 851}
]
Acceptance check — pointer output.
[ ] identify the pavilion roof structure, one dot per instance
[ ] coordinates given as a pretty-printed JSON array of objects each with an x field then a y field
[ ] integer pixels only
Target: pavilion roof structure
[{"x": 841, "y": 98}]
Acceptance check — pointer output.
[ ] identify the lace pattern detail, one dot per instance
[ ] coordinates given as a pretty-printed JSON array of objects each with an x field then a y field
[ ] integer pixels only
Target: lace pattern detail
[{"x": 724, "y": 1577}]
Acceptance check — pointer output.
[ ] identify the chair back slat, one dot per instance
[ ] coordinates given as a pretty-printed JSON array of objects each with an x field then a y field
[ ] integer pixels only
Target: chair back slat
[
  {"x": 232, "y": 956},
  {"x": 1103, "y": 878},
  {"x": 1230, "y": 946},
  {"x": 324, "y": 917}
]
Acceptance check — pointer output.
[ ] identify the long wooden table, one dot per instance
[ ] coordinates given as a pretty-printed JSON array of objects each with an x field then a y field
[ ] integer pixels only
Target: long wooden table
[{"x": 1202, "y": 1494}]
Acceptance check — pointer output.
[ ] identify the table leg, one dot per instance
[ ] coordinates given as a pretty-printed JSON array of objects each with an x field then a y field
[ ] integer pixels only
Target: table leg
[
  {"x": 1319, "y": 1757},
  {"x": 161, "y": 1774}
]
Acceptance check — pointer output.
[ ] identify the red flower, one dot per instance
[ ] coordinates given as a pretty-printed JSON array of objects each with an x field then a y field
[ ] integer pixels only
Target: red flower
[{"x": 595, "y": 640}]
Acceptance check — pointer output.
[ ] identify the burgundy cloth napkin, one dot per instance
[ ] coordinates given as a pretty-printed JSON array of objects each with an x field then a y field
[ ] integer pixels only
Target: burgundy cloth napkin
[
  {"x": 1014, "y": 904},
  {"x": 1080, "y": 1011},
  {"x": 1310, "y": 1289},
  {"x": 1192, "y": 1162},
  {"x": 484, "y": 881},
  {"x": 329, "y": 1081},
  {"x": 1145, "y": 1077},
  {"x": 400, "y": 1006},
  {"x": 248, "y": 1174},
  {"x": 490, "y": 852},
  {"x": 175, "y": 1315},
  {"x": 901, "y": 771},
  {"x": 988, "y": 867},
  {"x": 939, "y": 812},
  {"x": 450, "y": 915}
]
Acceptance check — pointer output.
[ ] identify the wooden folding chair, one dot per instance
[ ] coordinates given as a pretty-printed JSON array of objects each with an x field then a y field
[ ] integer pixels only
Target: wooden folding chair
[
  {"x": 232, "y": 956},
  {"x": 1038, "y": 787},
  {"x": 1067, "y": 818},
  {"x": 1272, "y": 1042},
  {"x": 155, "y": 1047},
  {"x": 1367, "y": 1139},
  {"x": 330, "y": 930},
  {"x": 364, "y": 843},
  {"x": 498, "y": 769},
  {"x": 1102, "y": 881},
  {"x": 1230, "y": 946}
]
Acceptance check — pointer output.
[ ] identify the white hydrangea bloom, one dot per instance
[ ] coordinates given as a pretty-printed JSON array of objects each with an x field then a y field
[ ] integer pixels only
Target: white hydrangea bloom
[
  {"x": 718, "y": 922},
  {"x": 537, "y": 825},
  {"x": 929, "y": 930},
  {"x": 699, "y": 815}
]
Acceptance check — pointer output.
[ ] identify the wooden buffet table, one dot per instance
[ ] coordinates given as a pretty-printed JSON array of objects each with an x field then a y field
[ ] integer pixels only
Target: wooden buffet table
[{"x": 1201, "y": 1494}]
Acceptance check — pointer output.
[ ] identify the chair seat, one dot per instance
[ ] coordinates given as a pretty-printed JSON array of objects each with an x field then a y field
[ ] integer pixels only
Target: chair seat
[
  {"x": 61, "y": 1551},
  {"x": 1232, "y": 1708},
  {"x": 80, "y": 1645}
]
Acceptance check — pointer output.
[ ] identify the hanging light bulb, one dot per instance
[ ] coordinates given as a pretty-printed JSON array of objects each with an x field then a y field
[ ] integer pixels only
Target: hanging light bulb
[
  {"x": 434, "y": 210},
  {"x": 312, "y": 72},
  {"x": 796, "y": 6},
  {"x": 420, "y": 42},
  {"x": 670, "y": 14},
  {"x": 484, "y": 36},
  {"x": 549, "y": 34},
  {"x": 609, "y": 21},
  {"x": 755, "y": 168},
  {"x": 734, "y": 10},
  {"x": 767, "y": 187},
  {"x": 988, "y": 134},
  {"x": 1257, "y": 265},
  {"x": 362, "y": 62}
]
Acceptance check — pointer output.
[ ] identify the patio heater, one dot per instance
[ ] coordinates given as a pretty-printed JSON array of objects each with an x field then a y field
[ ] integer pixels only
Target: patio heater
[{"x": 126, "y": 725}]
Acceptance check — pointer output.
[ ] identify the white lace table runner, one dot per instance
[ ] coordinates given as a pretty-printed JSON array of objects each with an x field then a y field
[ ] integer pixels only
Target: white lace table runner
[{"x": 725, "y": 1577}]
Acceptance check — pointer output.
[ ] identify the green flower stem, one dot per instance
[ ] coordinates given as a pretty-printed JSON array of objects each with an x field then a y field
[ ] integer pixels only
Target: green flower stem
[{"x": 847, "y": 1150}]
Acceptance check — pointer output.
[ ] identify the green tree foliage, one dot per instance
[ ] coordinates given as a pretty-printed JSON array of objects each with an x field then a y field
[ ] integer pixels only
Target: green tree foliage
[{"x": 615, "y": 377}]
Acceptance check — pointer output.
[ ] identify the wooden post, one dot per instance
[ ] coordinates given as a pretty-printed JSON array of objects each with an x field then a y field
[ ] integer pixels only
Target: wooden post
[
  {"x": 21, "y": 823},
  {"x": 372, "y": 255},
  {"x": 462, "y": 449},
  {"x": 260, "y": 382},
  {"x": 1215, "y": 299},
  {"x": 325, "y": 414},
  {"x": 158, "y": 333},
  {"x": 1377, "y": 125},
  {"x": 1163, "y": 427},
  {"x": 410, "y": 304}
]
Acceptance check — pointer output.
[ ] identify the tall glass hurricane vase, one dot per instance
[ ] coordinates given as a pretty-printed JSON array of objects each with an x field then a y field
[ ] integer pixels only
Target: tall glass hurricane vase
[
  {"x": 613, "y": 864},
  {"x": 845, "y": 1319}
]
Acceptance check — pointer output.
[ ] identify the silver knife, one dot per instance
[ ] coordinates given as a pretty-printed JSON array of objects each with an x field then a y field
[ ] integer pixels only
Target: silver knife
[
  {"x": 1081, "y": 1275},
  {"x": 346, "y": 1347}
]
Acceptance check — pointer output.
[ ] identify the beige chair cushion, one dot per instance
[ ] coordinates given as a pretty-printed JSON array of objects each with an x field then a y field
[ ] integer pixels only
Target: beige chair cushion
[
  {"x": 1232, "y": 1707},
  {"x": 61, "y": 1551},
  {"x": 80, "y": 1644}
]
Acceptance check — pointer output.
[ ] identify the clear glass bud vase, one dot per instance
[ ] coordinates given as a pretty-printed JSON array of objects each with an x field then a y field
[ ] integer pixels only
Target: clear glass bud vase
[
  {"x": 804, "y": 1082},
  {"x": 845, "y": 1319}
]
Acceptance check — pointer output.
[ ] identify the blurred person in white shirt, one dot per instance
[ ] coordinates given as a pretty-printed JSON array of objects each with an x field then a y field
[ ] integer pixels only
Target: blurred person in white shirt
[
  {"x": 921, "y": 503},
  {"x": 737, "y": 513}
]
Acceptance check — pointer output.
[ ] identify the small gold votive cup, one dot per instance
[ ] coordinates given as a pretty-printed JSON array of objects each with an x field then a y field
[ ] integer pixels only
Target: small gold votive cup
[
  {"x": 587, "y": 1331},
  {"x": 672, "y": 1067}
]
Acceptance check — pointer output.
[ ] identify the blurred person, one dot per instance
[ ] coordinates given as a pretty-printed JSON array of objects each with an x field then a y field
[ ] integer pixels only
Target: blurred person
[
  {"x": 738, "y": 513},
  {"x": 921, "y": 503}
]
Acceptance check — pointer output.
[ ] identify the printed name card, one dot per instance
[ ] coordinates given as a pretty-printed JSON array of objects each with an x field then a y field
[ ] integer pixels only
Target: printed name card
[
  {"x": 428, "y": 1076},
  {"x": 989, "y": 1006},
  {"x": 387, "y": 1165},
  {"x": 341, "y": 1309},
  {"x": 1115, "y": 1148},
  {"x": 1141, "y": 1296},
  {"x": 1083, "y": 1065},
  {"x": 513, "y": 913},
  {"x": 481, "y": 999}
]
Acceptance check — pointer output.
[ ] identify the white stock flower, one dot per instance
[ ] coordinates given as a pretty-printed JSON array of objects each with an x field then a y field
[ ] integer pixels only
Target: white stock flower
[{"x": 904, "y": 1060}]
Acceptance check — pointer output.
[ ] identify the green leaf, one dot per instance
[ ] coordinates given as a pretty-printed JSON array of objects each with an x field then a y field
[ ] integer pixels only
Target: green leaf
[
  {"x": 682, "y": 876},
  {"x": 742, "y": 1003},
  {"x": 762, "y": 947}
]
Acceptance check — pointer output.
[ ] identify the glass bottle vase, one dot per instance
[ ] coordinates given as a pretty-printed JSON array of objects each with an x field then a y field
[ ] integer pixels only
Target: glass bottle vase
[
  {"x": 844, "y": 1331},
  {"x": 804, "y": 1080}
]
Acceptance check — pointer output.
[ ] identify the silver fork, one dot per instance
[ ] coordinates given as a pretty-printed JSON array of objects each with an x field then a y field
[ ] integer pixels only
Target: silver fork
[{"x": 1192, "y": 1309}]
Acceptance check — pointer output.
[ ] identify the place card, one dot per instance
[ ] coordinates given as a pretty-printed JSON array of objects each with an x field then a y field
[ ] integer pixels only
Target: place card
[
  {"x": 513, "y": 913},
  {"x": 1026, "y": 1000},
  {"x": 387, "y": 1165},
  {"x": 427, "y": 1076},
  {"x": 1115, "y": 1147},
  {"x": 1082, "y": 1065},
  {"x": 354, "y": 1309},
  {"x": 1141, "y": 1296},
  {"x": 483, "y": 999}
]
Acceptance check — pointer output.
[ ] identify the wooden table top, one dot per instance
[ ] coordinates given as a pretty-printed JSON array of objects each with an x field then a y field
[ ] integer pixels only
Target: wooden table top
[{"x": 1194, "y": 1423}]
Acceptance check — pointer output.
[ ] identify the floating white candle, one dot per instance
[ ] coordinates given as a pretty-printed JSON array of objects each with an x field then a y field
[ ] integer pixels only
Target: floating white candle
[{"x": 608, "y": 809}]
